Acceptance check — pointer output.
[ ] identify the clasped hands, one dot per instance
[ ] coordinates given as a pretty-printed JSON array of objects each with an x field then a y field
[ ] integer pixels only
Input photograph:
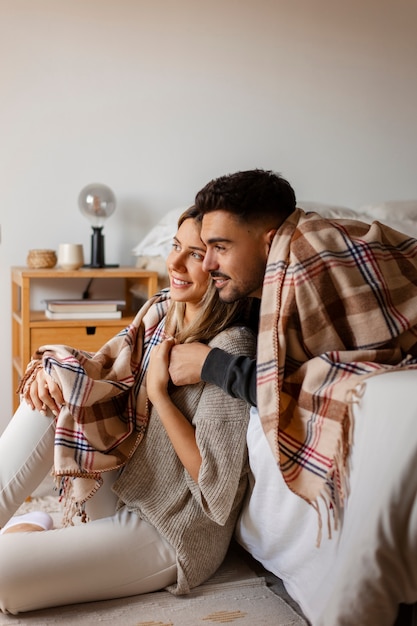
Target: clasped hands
[{"x": 43, "y": 393}]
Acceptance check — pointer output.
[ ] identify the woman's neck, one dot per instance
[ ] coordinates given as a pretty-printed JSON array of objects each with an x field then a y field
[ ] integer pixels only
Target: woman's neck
[
  {"x": 182, "y": 318},
  {"x": 190, "y": 312}
]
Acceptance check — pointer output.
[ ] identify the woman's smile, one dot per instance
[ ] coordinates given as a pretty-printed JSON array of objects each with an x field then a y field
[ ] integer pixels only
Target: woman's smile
[{"x": 176, "y": 282}]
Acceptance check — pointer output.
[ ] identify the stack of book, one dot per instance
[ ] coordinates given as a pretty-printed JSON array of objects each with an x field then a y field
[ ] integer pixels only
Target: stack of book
[{"x": 84, "y": 309}]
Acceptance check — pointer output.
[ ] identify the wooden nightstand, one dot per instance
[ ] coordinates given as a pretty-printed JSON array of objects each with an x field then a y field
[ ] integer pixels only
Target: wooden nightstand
[{"x": 31, "y": 328}]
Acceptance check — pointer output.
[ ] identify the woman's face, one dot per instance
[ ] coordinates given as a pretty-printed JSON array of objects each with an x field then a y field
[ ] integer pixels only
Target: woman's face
[{"x": 188, "y": 280}]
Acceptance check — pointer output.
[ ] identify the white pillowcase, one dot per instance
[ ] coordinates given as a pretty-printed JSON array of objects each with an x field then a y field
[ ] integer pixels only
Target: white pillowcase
[
  {"x": 159, "y": 239},
  {"x": 400, "y": 215},
  {"x": 330, "y": 211},
  {"x": 391, "y": 211}
]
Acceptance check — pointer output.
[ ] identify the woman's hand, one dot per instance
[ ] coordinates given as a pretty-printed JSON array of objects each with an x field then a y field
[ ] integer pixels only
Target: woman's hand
[
  {"x": 43, "y": 393},
  {"x": 180, "y": 431},
  {"x": 157, "y": 376}
]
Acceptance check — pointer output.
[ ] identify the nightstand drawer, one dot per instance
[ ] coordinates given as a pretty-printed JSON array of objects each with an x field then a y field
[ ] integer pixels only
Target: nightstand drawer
[{"x": 86, "y": 337}]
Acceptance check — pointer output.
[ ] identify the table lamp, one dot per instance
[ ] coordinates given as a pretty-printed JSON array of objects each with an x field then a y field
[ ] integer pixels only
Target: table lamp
[{"x": 97, "y": 202}]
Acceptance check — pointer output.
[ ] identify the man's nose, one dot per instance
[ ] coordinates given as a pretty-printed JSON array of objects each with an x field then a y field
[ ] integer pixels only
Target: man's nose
[{"x": 209, "y": 262}]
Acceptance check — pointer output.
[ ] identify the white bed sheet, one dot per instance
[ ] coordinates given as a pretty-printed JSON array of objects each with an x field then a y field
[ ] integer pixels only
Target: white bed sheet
[{"x": 279, "y": 529}]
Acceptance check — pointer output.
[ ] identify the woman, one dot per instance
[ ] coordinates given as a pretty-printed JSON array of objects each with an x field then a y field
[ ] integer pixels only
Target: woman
[{"x": 179, "y": 492}]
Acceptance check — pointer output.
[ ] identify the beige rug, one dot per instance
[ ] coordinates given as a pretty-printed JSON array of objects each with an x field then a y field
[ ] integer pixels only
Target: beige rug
[{"x": 234, "y": 595}]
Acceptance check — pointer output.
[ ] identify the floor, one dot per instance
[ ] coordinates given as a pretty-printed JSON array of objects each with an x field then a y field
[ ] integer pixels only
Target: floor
[{"x": 407, "y": 614}]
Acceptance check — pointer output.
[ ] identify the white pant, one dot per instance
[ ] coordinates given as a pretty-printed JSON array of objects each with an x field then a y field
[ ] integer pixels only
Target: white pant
[
  {"x": 360, "y": 575},
  {"x": 109, "y": 557}
]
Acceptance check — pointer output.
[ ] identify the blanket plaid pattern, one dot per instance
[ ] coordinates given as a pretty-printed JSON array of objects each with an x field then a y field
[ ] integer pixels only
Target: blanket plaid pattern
[
  {"x": 339, "y": 304},
  {"x": 106, "y": 411}
]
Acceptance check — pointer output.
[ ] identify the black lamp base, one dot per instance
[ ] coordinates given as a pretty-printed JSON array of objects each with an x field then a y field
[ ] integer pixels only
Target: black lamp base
[{"x": 97, "y": 249}]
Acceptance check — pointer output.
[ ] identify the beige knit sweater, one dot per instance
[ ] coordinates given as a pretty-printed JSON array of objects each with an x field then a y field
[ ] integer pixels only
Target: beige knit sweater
[{"x": 196, "y": 519}]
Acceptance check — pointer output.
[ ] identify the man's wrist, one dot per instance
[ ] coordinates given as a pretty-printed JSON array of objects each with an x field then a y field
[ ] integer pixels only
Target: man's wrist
[{"x": 214, "y": 366}]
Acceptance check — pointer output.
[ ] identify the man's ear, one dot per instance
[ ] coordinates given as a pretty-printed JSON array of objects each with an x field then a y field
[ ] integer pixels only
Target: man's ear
[{"x": 269, "y": 236}]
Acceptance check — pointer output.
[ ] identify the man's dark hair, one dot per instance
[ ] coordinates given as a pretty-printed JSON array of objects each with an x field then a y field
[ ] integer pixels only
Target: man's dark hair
[{"x": 253, "y": 196}]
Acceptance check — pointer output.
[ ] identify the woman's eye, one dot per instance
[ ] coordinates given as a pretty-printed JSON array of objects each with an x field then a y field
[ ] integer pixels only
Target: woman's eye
[
  {"x": 175, "y": 246},
  {"x": 197, "y": 256}
]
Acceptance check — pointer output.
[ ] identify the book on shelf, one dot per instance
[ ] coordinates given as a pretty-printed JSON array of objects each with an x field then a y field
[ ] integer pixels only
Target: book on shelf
[
  {"x": 84, "y": 306},
  {"x": 86, "y": 315}
]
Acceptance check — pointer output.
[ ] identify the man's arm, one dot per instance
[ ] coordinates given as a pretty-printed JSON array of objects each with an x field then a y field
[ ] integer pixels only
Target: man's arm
[{"x": 236, "y": 375}]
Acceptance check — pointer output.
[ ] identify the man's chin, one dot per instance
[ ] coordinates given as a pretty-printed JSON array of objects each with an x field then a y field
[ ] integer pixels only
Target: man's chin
[{"x": 227, "y": 297}]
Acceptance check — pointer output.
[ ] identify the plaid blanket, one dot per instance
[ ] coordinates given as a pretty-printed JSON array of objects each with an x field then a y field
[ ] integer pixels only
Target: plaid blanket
[
  {"x": 339, "y": 304},
  {"x": 106, "y": 409}
]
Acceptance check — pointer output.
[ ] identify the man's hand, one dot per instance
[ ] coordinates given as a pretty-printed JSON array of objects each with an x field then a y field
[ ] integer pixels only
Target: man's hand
[{"x": 186, "y": 363}]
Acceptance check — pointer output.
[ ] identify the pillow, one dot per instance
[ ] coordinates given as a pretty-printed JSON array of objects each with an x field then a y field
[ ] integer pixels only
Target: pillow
[
  {"x": 392, "y": 211},
  {"x": 153, "y": 249},
  {"x": 399, "y": 215},
  {"x": 329, "y": 210},
  {"x": 159, "y": 239}
]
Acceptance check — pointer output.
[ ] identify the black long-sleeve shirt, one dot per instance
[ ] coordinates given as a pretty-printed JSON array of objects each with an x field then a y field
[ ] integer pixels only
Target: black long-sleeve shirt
[{"x": 236, "y": 375}]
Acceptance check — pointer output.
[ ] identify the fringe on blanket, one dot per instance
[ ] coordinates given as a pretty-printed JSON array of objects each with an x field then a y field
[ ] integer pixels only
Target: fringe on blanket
[{"x": 72, "y": 505}]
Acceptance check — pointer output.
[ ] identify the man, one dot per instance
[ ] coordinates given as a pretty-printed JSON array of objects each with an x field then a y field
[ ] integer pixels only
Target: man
[{"x": 338, "y": 304}]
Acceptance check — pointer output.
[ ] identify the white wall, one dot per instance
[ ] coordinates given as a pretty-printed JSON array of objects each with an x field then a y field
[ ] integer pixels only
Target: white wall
[{"x": 156, "y": 97}]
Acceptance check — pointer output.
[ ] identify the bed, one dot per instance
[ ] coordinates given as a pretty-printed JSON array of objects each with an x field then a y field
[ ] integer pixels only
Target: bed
[{"x": 272, "y": 516}]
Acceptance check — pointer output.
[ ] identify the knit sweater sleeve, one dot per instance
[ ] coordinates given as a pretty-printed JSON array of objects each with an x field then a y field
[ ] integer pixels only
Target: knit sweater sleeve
[{"x": 220, "y": 427}]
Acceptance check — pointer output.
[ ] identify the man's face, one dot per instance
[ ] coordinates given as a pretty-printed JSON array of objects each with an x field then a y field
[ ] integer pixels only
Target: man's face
[{"x": 236, "y": 255}]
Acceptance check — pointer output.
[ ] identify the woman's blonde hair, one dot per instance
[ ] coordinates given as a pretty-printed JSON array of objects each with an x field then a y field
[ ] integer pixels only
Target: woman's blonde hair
[{"x": 213, "y": 316}]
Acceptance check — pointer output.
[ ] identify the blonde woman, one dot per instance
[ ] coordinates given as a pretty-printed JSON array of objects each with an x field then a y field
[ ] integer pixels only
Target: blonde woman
[{"x": 169, "y": 516}]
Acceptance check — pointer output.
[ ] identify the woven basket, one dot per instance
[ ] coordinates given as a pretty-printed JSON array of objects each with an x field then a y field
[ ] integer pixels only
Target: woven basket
[{"x": 41, "y": 259}]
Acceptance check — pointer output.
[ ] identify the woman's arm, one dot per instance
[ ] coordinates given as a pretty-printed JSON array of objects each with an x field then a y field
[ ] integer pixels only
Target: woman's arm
[
  {"x": 213, "y": 448},
  {"x": 178, "y": 428},
  {"x": 220, "y": 425}
]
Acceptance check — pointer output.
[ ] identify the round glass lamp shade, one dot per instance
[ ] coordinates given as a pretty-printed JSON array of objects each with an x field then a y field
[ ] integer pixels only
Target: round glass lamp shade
[{"x": 97, "y": 202}]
